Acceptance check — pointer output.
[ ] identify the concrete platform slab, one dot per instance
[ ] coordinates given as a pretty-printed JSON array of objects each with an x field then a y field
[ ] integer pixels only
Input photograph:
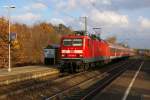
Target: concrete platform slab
[
  {"x": 25, "y": 73},
  {"x": 140, "y": 90}
]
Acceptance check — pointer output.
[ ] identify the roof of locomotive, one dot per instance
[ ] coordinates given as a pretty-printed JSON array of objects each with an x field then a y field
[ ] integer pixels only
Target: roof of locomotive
[
  {"x": 83, "y": 36},
  {"x": 111, "y": 45},
  {"x": 80, "y": 36},
  {"x": 75, "y": 36}
]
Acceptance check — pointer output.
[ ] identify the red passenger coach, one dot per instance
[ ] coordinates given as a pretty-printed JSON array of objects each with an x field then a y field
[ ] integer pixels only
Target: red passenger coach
[{"x": 79, "y": 52}]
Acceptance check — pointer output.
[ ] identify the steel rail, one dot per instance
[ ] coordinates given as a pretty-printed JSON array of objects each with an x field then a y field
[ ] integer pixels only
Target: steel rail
[
  {"x": 58, "y": 95},
  {"x": 105, "y": 83}
]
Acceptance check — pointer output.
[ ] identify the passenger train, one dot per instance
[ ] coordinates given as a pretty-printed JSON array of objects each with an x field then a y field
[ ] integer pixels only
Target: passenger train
[{"x": 79, "y": 52}]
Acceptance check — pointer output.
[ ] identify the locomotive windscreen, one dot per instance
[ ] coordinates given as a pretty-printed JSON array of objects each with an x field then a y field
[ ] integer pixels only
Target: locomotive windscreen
[{"x": 72, "y": 42}]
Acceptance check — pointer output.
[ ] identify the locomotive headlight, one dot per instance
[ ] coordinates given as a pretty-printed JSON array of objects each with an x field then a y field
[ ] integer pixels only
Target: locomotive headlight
[
  {"x": 80, "y": 55},
  {"x": 63, "y": 55}
]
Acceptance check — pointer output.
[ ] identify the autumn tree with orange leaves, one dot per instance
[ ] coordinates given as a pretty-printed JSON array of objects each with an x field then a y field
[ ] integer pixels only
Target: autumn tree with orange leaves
[{"x": 28, "y": 48}]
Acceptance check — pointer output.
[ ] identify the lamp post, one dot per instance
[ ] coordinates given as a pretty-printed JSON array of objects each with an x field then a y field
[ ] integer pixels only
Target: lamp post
[{"x": 9, "y": 43}]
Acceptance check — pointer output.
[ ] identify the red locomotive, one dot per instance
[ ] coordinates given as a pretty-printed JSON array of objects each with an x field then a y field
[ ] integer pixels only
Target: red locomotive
[{"x": 79, "y": 52}]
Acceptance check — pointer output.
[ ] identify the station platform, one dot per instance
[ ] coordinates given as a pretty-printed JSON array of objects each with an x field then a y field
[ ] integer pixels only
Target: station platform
[
  {"x": 25, "y": 73},
  {"x": 134, "y": 84}
]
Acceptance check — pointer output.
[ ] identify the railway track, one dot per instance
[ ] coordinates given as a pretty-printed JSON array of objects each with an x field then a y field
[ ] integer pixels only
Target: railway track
[
  {"x": 5, "y": 89},
  {"x": 22, "y": 87},
  {"x": 98, "y": 87},
  {"x": 83, "y": 90},
  {"x": 61, "y": 88}
]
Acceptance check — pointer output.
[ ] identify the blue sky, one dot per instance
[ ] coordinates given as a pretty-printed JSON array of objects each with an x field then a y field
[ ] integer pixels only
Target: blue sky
[{"x": 128, "y": 20}]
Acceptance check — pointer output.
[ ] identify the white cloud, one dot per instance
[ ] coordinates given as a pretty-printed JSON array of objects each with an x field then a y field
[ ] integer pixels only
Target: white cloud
[
  {"x": 67, "y": 6},
  {"x": 101, "y": 13},
  {"x": 144, "y": 22},
  {"x": 26, "y": 17},
  {"x": 109, "y": 18},
  {"x": 107, "y": 2},
  {"x": 39, "y": 6},
  {"x": 57, "y": 21},
  {"x": 26, "y": 8},
  {"x": 72, "y": 3},
  {"x": 60, "y": 5},
  {"x": 35, "y": 6}
]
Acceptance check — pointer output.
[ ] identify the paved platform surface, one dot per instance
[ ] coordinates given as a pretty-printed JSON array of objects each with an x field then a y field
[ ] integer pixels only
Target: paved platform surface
[
  {"x": 129, "y": 87},
  {"x": 23, "y": 73}
]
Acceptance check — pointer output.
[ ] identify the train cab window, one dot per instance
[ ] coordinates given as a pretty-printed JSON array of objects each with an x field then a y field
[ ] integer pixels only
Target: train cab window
[
  {"x": 72, "y": 42},
  {"x": 67, "y": 42},
  {"x": 77, "y": 42}
]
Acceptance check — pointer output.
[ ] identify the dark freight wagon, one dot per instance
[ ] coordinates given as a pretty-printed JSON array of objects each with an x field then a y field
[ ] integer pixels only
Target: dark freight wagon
[{"x": 51, "y": 54}]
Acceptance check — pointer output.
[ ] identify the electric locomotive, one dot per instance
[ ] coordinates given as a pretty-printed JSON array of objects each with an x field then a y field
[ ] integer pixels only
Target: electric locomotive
[{"x": 79, "y": 52}]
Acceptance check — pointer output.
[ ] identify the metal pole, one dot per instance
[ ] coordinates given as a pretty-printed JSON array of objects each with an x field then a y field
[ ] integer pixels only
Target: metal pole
[
  {"x": 9, "y": 66},
  {"x": 85, "y": 24},
  {"x": 9, "y": 40}
]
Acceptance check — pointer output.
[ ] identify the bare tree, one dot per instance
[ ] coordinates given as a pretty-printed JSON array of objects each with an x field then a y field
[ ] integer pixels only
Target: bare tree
[{"x": 112, "y": 39}]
